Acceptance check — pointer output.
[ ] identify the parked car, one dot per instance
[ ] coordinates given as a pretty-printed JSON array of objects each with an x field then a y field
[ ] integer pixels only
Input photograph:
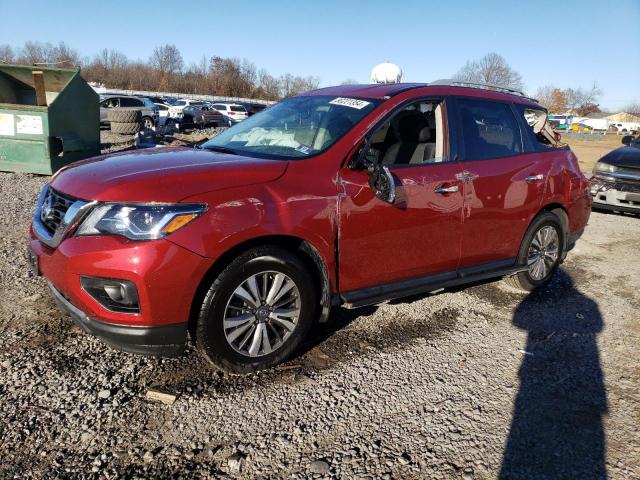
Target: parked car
[
  {"x": 163, "y": 113},
  {"x": 148, "y": 109},
  {"x": 253, "y": 108},
  {"x": 233, "y": 112},
  {"x": 201, "y": 116},
  {"x": 349, "y": 195},
  {"x": 615, "y": 184},
  {"x": 175, "y": 111}
]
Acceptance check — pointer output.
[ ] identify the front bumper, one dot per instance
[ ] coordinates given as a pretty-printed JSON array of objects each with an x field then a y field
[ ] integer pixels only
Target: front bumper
[
  {"x": 615, "y": 195},
  {"x": 166, "y": 340},
  {"x": 166, "y": 277}
]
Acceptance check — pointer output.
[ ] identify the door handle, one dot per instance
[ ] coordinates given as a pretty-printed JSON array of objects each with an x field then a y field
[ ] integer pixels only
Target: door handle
[
  {"x": 451, "y": 189},
  {"x": 535, "y": 178}
]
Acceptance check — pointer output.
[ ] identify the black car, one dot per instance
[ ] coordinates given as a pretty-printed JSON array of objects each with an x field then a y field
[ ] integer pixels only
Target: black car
[
  {"x": 615, "y": 184},
  {"x": 253, "y": 108}
]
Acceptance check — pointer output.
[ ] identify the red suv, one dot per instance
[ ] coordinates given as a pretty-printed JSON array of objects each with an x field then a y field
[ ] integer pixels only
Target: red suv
[{"x": 348, "y": 195}]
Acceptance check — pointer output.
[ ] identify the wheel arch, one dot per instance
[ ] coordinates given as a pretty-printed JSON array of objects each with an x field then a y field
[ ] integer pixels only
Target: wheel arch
[{"x": 296, "y": 245}]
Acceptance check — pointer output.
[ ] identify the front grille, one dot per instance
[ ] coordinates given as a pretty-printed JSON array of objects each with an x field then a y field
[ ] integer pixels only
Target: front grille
[
  {"x": 54, "y": 207},
  {"x": 599, "y": 185},
  {"x": 628, "y": 187}
]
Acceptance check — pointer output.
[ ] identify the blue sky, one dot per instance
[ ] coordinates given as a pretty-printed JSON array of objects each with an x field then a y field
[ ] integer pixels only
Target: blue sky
[{"x": 564, "y": 43}]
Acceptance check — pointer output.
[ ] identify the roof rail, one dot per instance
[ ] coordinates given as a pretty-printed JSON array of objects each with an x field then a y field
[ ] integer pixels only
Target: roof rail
[{"x": 448, "y": 82}]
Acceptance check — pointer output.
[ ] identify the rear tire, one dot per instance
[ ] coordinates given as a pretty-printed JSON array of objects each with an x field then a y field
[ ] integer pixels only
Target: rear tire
[
  {"x": 123, "y": 115},
  {"x": 542, "y": 249},
  {"x": 230, "y": 328}
]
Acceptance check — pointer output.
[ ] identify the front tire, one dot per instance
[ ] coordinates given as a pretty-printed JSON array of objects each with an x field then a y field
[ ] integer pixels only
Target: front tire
[
  {"x": 541, "y": 251},
  {"x": 257, "y": 311}
]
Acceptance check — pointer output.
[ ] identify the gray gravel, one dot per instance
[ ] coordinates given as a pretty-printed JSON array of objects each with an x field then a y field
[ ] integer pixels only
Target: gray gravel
[{"x": 475, "y": 384}]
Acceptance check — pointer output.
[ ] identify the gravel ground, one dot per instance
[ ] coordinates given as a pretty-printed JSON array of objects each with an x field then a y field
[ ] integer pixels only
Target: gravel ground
[{"x": 478, "y": 383}]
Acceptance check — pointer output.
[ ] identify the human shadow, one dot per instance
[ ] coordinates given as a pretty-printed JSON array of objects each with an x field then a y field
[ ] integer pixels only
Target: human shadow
[{"x": 557, "y": 431}]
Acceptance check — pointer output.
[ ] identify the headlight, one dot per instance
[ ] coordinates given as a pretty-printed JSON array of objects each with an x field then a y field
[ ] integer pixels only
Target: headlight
[
  {"x": 605, "y": 168},
  {"x": 139, "y": 221}
]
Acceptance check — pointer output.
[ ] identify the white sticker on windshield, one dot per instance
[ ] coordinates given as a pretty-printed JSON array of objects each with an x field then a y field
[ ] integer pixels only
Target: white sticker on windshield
[{"x": 349, "y": 102}]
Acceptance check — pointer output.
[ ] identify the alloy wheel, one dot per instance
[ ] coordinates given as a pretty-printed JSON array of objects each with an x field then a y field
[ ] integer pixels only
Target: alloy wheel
[
  {"x": 543, "y": 252},
  {"x": 262, "y": 313}
]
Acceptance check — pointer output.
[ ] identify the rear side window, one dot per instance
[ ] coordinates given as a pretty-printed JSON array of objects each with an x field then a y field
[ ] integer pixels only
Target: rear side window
[
  {"x": 489, "y": 129},
  {"x": 130, "y": 102}
]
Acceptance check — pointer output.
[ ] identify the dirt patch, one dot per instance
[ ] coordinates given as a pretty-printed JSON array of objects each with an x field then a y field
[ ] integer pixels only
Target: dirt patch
[{"x": 590, "y": 148}]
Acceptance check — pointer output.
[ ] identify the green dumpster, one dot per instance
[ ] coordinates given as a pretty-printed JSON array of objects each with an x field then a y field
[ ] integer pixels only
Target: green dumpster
[{"x": 49, "y": 117}]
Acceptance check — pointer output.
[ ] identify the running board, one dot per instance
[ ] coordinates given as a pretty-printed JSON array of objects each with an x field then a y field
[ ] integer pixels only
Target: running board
[{"x": 429, "y": 283}]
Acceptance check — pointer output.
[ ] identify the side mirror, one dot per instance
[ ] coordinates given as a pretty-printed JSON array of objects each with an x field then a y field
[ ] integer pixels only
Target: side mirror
[
  {"x": 627, "y": 139},
  {"x": 382, "y": 183}
]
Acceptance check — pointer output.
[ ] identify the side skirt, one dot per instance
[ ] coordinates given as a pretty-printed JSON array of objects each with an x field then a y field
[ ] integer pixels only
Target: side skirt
[{"x": 429, "y": 283}]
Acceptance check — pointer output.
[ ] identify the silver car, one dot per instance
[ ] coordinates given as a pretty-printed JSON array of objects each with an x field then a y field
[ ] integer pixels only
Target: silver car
[{"x": 148, "y": 109}]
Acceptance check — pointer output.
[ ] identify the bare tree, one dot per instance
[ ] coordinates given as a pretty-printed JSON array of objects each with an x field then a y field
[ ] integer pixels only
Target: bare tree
[
  {"x": 492, "y": 69},
  {"x": 570, "y": 100},
  {"x": 349, "y": 81},
  {"x": 6, "y": 54},
  {"x": 632, "y": 108},
  {"x": 544, "y": 95},
  {"x": 165, "y": 71},
  {"x": 64, "y": 56},
  {"x": 34, "y": 52},
  {"x": 167, "y": 59},
  {"x": 579, "y": 97}
]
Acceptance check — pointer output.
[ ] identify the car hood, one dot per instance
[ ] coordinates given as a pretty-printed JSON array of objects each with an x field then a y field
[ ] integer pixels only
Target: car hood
[
  {"x": 626, "y": 157},
  {"x": 162, "y": 174}
]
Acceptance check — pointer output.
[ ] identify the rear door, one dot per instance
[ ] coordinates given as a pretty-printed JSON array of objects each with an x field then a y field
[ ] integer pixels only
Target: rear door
[{"x": 503, "y": 181}]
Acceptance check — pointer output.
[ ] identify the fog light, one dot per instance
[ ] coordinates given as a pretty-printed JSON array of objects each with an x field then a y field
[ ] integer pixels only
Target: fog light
[{"x": 115, "y": 295}]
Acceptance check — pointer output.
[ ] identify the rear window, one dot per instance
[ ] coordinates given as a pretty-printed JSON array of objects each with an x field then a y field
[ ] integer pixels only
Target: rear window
[
  {"x": 238, "y": 108},
  {"x": 489, "y": 130},
  {"x": 180, "y": 103}
]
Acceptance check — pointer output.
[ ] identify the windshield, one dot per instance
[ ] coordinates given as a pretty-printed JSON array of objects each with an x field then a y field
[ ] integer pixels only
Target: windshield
[{"x": 297, "y": 127}]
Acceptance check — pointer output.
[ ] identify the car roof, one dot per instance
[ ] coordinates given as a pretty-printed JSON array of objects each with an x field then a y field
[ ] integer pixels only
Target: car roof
[{"x": 385, "y": 91}]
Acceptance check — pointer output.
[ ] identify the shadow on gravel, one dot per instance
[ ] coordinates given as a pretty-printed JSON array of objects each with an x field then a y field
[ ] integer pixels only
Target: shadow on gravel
[{"x": 557, "y": 430}]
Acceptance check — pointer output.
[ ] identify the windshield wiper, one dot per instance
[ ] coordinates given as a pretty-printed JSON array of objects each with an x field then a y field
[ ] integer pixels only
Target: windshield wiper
[{"x": 218, "y": 148}]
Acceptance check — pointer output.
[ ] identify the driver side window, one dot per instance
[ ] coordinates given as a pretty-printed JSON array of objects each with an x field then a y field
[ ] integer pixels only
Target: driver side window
[{"x": 413, "y": 136}]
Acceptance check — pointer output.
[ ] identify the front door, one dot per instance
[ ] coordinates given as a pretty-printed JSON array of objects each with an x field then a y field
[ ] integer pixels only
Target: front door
[{"x": 420, "y": 233}]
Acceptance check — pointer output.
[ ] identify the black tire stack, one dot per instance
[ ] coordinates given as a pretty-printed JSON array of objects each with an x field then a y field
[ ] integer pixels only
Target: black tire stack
[{"x": 125, "y": 121}]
